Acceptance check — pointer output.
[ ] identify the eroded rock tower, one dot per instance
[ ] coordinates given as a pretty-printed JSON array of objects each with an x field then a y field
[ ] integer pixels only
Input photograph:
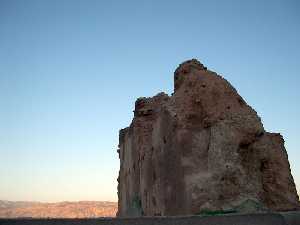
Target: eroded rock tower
[{"x": 203, "y": 148}]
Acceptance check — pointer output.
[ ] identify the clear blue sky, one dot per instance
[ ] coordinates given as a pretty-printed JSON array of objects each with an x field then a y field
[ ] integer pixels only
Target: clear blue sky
[{"x": 70, "y": 72}]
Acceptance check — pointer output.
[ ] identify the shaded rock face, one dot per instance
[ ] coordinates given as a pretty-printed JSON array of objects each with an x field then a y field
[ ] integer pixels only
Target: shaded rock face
[{"x": 203, "y": 148}]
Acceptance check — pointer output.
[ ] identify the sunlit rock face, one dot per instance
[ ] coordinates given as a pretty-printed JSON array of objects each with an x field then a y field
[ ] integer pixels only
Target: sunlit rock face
[{"x": 203, "y": 148}]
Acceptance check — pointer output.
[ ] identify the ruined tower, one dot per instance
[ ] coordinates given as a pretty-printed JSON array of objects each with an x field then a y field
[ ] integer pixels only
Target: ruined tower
[{"x": 203, "y": 148}]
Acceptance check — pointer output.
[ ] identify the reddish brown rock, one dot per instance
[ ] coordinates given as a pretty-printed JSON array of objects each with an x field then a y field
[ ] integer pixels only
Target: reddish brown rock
[{"x": 203, "y": 148}]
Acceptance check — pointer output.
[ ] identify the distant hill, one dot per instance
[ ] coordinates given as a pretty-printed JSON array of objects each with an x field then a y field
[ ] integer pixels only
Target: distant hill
[{"x": 82, "y": 209}]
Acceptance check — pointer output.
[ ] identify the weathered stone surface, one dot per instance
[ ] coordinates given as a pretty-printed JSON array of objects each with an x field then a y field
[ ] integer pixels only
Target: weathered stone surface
[{"x": 201, "y": 149}]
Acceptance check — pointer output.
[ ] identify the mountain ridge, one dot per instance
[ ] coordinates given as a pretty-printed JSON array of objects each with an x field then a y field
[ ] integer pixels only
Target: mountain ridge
[{"x": 64, "y": 209}]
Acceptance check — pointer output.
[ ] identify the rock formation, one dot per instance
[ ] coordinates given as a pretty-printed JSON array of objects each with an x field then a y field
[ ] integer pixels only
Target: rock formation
[{"x": 201, "y": 149}]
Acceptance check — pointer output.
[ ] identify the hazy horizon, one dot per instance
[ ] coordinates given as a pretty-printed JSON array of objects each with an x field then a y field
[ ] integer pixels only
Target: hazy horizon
[
  {"x": 58, "y": 201},
  {"x": 70, "y": 72}
]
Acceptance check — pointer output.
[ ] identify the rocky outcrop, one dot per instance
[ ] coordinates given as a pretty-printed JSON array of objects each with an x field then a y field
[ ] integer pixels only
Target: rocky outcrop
[{"x": 201, "y": 149}]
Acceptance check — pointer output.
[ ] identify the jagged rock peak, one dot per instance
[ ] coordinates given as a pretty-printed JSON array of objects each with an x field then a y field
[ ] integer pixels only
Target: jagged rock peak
[
  {"x": 146, "y": 106},
  {"x": 192, "y": 63},
  {"x": 185, "y": 68}
]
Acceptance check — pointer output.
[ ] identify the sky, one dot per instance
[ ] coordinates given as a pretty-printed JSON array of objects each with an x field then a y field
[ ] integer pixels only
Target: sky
[{"x": 70, "y": 72}]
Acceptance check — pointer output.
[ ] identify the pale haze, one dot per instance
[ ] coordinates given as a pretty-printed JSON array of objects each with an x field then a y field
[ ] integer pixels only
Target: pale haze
[{"x": 70, "y": 72}]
